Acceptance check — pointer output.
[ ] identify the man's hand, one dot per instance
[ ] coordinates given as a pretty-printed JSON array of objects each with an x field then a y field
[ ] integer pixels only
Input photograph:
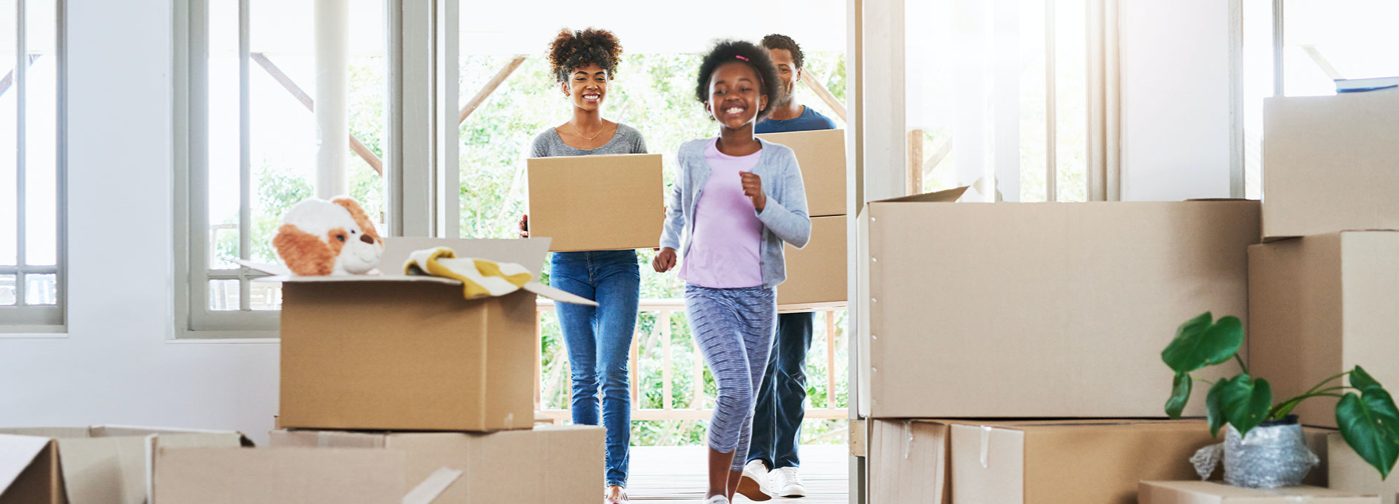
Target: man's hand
[
  {"x": 753, "y": 189},
  {"x": 664, "y": 261}
]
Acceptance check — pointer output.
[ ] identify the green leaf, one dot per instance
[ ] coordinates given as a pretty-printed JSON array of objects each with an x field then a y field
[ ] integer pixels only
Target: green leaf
[
  {"x": 1198, "y": 343},
  {"x": 1180, "y": 394},
  {"x": 1246, "y": 402},
  {"x": 1367, "y": 424},
  {"x": 1363, "y": 381},
  {"x": 1214, "y": 406}
]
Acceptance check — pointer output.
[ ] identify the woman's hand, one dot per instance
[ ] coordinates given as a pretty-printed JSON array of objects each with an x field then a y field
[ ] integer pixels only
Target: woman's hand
[
  {"x": 753, "y": 189},
  {"x": 524, "y": 226},
  {"x": 664, "y": 261}
]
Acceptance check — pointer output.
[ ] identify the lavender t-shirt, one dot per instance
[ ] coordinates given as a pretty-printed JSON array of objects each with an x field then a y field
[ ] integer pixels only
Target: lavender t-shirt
[{"x": 724, "y": 251}]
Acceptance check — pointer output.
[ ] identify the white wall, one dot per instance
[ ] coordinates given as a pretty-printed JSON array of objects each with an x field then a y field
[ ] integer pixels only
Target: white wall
[
  {"x": 116, "y": 364},
  {"x": 1175, "y": 81}
]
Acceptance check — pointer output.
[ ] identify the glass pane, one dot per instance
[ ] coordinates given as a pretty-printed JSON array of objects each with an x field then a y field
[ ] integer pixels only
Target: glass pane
[
  {"x": 1071, "y": 99},
  {"x": 223, "y": 295},
  {"x": 7, "y": 290},
  {"x": 223, "y": 134},
  {"x": 1034, "y": 139},
  {"x": 265, "y": 295},
  {"x": 1258, "y": 84},
  {"x": 40, "y": 290},
  {"x": 8, "y": 148},
  {"x": 1354, "y": 37},
  {"x": 367, "y": 107},
  {"x": 41, "y": 134}
]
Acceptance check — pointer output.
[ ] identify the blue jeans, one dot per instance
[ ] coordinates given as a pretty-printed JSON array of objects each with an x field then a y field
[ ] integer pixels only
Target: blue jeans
[
  {"x": 777, "y": 420},
  {"x": 599, "y": 342}
]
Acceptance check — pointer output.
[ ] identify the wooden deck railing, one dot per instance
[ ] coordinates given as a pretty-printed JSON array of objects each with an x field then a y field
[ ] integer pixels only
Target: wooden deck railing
[{"x": 665, "y": 309}]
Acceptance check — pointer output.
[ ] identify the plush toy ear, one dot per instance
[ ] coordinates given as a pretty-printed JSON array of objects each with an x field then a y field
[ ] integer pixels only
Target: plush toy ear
[
  {"x": 304, "y": 253},
  {"x": 361, "y": 218}
]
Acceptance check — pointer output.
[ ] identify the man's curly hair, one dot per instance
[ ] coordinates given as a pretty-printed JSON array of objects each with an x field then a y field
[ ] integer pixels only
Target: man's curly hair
[
  {"x": 731, "y": 51},
  {"x": 778, "y": 41},
  {"x": 571, "y": 50}
]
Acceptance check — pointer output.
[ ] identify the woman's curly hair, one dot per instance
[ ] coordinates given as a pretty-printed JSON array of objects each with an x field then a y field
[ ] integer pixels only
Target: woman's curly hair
[
  {"x": 571, "y": 50},
  {"x": 730, "y": 51}
]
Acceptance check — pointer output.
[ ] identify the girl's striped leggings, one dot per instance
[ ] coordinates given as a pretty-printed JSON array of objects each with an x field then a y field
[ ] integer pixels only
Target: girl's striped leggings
[{"x": 734, "y": 329}]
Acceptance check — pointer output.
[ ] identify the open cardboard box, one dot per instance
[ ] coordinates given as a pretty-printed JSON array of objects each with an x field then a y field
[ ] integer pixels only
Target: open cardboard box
[
  {"x": 398, "y": 352},
  {"x": 88, "y": 465},
  {"x": 597, "y": 202},
  {"x": 1210, "y": 492},
  {"x": 821, "y": 156},
  {"x": 561, "y": 463},
  {"x": 1020, "y": 310},
  {"x": 1351, "y": 473},
  {"x": 184, "y": 475}
]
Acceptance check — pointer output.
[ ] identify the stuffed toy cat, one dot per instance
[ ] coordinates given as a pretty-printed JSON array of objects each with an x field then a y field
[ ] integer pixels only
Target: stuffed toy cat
[{"x": 319, "y": 237}]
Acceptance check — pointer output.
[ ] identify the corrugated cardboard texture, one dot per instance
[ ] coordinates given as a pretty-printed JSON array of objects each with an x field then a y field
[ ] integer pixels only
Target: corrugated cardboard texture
[
  {"x": 278, "y": 476},
  {"x": 1319, "y": 306},
  {"x": 1069, "y": 463},
  {"x": 908, "y": 462},
  {"x": 821, "y": 155},
  {"x": 405, "y": 356},
  {"x": 597, "y": 202},
  {"x": 816, "y": 276},
  {"x": 1208, "y": 492},
  {"x": 553, "y": 464},
  {"x": 1351, "y": 473},
  {"x": 1025, "y": 310},
  {"x": 1332, "y": 163}
]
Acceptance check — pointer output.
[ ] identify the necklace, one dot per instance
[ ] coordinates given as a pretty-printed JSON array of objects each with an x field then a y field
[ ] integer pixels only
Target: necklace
[{"x": 589, "y": 139}]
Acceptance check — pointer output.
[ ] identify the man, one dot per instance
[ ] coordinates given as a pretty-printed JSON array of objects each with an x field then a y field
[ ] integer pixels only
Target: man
[{"x": 772, "y": 456}]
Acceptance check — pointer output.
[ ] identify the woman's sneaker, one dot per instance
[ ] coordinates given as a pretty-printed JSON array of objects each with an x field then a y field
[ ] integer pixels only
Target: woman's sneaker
[
  {"x": 754, "y": 482},
  {"x": 788, "y": 483},
  {"x": 717, "y": 499}
]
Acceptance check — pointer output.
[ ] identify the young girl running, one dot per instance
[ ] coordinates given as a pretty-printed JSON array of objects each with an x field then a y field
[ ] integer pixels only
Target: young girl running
[
  {"x": 598, "y": 339},
  {"x": 734, "y": 202}
]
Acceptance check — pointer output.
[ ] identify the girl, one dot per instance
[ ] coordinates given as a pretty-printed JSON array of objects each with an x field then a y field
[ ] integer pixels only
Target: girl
[
  {"x": 598, "y": 339},
  {"x": 735, "y": 200}
]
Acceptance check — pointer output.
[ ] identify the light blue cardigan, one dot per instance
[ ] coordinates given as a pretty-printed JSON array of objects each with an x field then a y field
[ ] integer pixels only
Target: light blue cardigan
[{"x": 784, "y": 216}]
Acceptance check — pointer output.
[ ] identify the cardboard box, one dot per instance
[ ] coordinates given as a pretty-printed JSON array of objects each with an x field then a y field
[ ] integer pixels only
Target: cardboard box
[
  {"x": 597, "y": 202},
  {"x": 554, "y": 464},
  {"x": 816, "y": 274},
  {"x": 1068, "y": 462},
  {"x": 1320, "y": 305},
  {"x": 1351, "y": 473},
  {"x": 290, "y": 476},
  {"x": 395, "y": 352},
  {"x": 1209, "y": 492},
  {"x": 87, "y": 465},
  {"x": 1023, "y": 310},
  {"x": 908, "y": 462},
  {"x": 821, "y": 155},
  {"x": 1330, "y": 163}
]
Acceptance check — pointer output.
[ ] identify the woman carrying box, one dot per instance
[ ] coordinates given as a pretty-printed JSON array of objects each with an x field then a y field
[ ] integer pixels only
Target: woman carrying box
[{"x": 598, "y": 339}]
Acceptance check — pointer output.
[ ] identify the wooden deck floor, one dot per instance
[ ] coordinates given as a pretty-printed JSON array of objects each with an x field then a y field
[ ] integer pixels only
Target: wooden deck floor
[{"x": 677, "y": 474}]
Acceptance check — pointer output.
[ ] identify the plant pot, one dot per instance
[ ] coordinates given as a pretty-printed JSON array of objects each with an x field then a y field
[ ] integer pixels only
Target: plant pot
[{"x": 1273, "y": 455}]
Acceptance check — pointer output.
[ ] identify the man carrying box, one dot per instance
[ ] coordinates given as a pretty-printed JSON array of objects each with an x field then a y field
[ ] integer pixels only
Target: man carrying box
[{"x": 778, "y": 418}]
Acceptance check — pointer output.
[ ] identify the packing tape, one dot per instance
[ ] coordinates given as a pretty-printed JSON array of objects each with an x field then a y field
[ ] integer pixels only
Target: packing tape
[
  {"x": 985, "y": 445},
  {"x": 908, "y": 438},
  {"x": 323, "y": 440},
  {"x": 432, "y": 487}
]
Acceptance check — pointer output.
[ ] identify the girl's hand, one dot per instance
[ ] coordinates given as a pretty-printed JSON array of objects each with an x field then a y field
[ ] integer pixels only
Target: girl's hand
[
  {"x": 664, "y": 261},
  {"x": 524, "y": 226},
  {"x": 753, "y": 189}
]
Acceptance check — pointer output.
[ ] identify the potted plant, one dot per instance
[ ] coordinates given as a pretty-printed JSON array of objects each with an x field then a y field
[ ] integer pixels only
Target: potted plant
[{"x": 1263, "y": 442}]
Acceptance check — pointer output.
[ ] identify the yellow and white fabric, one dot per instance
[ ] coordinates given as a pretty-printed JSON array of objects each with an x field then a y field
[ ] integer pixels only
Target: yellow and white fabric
[{"x": 479, "y": 277}]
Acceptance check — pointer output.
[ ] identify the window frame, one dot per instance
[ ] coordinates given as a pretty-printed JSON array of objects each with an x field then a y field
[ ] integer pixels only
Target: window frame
[{"x": 39, "y": 319}]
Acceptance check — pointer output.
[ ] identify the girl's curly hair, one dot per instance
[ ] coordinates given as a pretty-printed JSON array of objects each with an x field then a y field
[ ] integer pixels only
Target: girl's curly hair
[
  {"x": 574, "y": 49},
  {"x": 729, "y": 51}
]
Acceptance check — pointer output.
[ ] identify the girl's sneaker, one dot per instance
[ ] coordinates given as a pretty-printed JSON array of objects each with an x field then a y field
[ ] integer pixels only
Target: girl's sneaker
[
  {"x": 788, "y": 483},
  {"x": 717, "y": 499}
]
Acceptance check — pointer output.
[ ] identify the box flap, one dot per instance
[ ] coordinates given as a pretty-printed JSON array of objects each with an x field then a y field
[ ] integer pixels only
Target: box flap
[
  {"x": 49, "y": 432},
  {"x": 111, "y": 467},
  {"x": 16, "y": 453},
  {"x": 142, "y": 431},
  {"x": 277, "y": 476},
  {"x": 946, "y": 196}
]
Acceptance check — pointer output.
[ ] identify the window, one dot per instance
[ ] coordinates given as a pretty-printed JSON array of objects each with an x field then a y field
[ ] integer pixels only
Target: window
[
  {"x": 997, "y": 97},
  {"x": 31, "y": 166},
  {"x": 1321, "y": 40},
  {"x": 246, "y": 131}
]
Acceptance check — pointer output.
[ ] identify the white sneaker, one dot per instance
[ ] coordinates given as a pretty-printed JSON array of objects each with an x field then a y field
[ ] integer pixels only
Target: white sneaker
[
  {"x": 754, "y": 482},
  {"x": 788, "y": 483},
  {"x": 717, "y": 499}
]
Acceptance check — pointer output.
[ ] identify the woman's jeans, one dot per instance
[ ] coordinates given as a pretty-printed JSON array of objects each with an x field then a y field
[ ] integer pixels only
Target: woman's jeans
[{"x": 599, "y": 342}]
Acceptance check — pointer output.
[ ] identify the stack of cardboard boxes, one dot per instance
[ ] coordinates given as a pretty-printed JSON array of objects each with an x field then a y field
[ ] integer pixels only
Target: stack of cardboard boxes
[
  {"x": 816, "y": 273},
  {"x": 1324, "y": 287},
  {"x": 398, "y": 386},
  {"x": 978, "y": 319}
]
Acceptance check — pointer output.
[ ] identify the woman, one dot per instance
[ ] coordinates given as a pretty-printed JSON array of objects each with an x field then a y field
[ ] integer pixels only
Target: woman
[{"x": 598, "y": 339}]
